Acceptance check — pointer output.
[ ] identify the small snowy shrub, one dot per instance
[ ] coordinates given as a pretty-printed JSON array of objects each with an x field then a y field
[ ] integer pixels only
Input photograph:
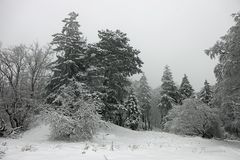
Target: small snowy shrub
[
  {"x": 3, "y": 149},
  {"x": 73, "y": 113},
  {"x": 28, "y": 148},
  {"x": 81, "y": 125},
  {"x": 2, "y": 153},
  {"x": 193, "y": 118},
  {"x": 4, "y": 144},
  {"x": 134, "y": 147}
]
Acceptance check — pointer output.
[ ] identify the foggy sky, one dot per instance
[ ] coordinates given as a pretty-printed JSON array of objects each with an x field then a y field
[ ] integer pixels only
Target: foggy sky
[{"x": 167, "y": 32}]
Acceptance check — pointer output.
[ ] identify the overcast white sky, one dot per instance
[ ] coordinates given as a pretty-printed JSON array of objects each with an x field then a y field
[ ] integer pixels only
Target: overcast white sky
[{"x": 173, "y": 32}]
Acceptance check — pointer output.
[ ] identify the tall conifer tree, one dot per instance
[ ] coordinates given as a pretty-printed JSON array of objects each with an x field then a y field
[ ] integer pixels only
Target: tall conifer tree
[
  {"x": 186, "y": 89},
  {"x": 133, "y": 112},
  {"x": 206, "y": 94},
  {"x": 169, "y": 93},
  {"x": 119, "y": 61},
  {"x": 71, "y": 61},
  {"x": 144, "y": 97}
]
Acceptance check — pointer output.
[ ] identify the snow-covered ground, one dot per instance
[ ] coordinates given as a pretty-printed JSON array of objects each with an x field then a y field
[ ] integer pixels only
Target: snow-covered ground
[{"x": 116, "y": 143}]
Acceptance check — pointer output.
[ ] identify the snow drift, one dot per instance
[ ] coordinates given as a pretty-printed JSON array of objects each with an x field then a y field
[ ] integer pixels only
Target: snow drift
[{"x": 117, "y": 143}]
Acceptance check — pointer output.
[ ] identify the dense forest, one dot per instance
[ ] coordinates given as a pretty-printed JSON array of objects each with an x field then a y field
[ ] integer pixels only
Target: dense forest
[{"x": 77, "y": 87}]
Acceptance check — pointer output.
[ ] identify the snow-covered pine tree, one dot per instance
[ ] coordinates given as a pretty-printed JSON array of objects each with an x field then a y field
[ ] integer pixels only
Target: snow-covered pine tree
[
  {"x": 95, "y": 71},
  {"x": 71, "y": 61},
  {"x": 206, "y": 94},
  {"x": 169, "y": 93},
  {"x": 133, "y": 112},
  {"x": 186, "y": 89},
  {"x": 119, "y": 61},
  {"x": 144, "y": 97},
  {"x": 71, "y": 108}
]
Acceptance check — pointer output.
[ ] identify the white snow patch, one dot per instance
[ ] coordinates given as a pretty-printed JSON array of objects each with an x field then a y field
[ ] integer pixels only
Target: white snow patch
[
  {"x": 117, "y": 143},
  {"x": 37, "y": 134}
]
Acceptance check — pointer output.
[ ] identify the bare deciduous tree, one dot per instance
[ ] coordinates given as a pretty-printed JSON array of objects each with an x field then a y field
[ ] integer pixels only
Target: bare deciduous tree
[
  {"x": 21, "y": 72},
  {"x": 37, "y": 63}
]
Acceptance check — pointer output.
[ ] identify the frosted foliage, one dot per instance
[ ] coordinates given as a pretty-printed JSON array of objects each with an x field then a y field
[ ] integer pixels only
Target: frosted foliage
[
  {"x": 206, "y": 93},
  {"x": 144, "y": 93},
  {"x": 81, "y": 125},
  {"x": 133, "y": 113},
  {"x": 193, "y": 118},
  {"x": 169, "y": 92},
  {"x": 73, "y": 113},
  {"x": 168, "y": 84},
  {"x": 186, "y": 89},
  {"x": 227, "y": 92},
  {"x": 70, "y": 46}
]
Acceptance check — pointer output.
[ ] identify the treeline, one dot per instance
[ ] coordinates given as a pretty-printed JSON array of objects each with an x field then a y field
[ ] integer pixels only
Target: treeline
[
  {"x": 87, "y": 83},
  {"x": 184, "y": 111},
  {"x": 215, "y": 110}
]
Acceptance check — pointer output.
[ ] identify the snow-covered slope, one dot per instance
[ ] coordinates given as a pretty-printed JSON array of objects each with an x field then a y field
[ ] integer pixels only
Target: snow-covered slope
[{"x": 117, "y": 143}]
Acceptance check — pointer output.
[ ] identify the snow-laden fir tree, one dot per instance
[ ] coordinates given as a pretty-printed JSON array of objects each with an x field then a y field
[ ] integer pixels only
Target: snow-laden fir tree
[
  {"x": 186, "y": 89},
  {"x": 133, "y": 112},
  {"x": 71, "y": 108},
  {"x": 71, "y": 61},
  {"x": 119, "y": 61},
  {"x": 144, "y": 97},
  {"x": 169, "y": 93},
  {"x": 206, "y": 94}
]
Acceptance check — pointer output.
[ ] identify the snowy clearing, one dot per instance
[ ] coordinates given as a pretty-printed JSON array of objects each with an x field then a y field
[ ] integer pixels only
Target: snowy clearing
[{"x": 117, "y": 143}]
